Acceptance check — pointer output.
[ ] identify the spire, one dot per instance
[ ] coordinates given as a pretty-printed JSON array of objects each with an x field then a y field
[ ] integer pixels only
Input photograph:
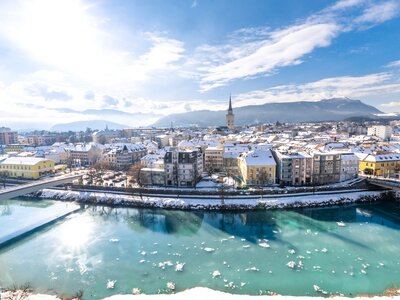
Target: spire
[{"x": 230, "y": 103}]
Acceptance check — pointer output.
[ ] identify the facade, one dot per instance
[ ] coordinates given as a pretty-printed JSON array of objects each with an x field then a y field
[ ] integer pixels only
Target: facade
[
  {"x": 83, "y": 154},
  {"x": 26, "y": 167},
  {"x": 7, "y": 136},
  {"x": 257, "y": 167},
  {"x": 294, "y": 168},
  {"x": 385, "y": 165},
  {"x": 214, "y": 159},
  {"x": 349, "y": 166},
  {"x": 152, "y": 176},
  {"x": 230, "y": 117},
  {"x": 41, "y": 140},
  {"x": 183, "y": 168},
  {"x": 326, "y": 168},
  {"x": 122, "y": 156},
  {"x": 381, "y": 131}
]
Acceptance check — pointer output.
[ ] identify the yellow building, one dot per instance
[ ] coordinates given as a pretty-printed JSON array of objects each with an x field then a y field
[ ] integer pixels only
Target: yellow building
[
  {"x": 26, "y": 167},
  {"x": 386, "y": 165},
  {"x": 257, "y": 167}
]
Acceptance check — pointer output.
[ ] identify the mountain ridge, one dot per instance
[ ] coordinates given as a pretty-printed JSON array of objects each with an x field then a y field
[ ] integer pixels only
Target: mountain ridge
[{"x": 332, "y": 109}]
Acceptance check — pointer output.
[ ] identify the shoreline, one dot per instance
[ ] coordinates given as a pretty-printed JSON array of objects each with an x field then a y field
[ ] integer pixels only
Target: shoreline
[
  {"x": 223, "y": 204},
  {"x": 196, "y": 293}
]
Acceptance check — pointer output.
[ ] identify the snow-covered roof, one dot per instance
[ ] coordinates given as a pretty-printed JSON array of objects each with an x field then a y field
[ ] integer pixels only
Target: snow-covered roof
[
  {"x": 382, "y": 157},
  {"x": 30, "y": 161},
  {"x": 259, "y": 158}
]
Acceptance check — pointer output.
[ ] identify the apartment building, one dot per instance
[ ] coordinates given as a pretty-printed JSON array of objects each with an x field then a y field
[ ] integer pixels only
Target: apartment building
[
  {"x": 7, "y": 136},
  {"x": 214, "y": 159},
  {"x": 26, "y": 167},
  {"x": 293, "y": 168},
  {"x": 257, "y": 167},
  {"x": 326, "y": 167},
  {"x": 183, "y": 168}
]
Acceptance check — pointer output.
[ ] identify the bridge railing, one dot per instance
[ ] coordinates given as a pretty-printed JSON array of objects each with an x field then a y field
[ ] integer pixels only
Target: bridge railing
[{"x": 39, "y": 182}]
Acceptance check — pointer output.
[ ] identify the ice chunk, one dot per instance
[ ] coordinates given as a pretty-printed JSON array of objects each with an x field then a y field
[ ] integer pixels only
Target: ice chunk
[
  {"x": 341, "y": 224},
  {"x": 164, "y": 264},
  {"x": 111, "y": 284},
  {"x": 171, "y": 285},
  {"x": 114, "y": 240},
  {"x": 291, "y": 251},
  {"x": 264, "y": 245},
  {"x": 324, "y": 250},
  {"x": 179, "y": 267},
  {"x": 252, "y": 269},
  {"x": 136, "y": 291},
  {"x": 216, "y": 274},
  {"x": 246, "y": 246},
  {"x": 208, "y": 249},
  {"x": 291, "y": 264}
]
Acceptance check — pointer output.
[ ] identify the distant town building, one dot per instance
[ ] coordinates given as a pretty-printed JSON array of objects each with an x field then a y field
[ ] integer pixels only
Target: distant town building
[
  {"x": 26, "y": 167},
  {"x": 183, "y": 168},
  {"x": 386, "y": 165},
  {"x": 294, "y": 168},
  {"x": 349, "y": 166},
  {"x": 382, "y": 131},
  {"x": 7, "y": 136},
  {"x": 230, "y": 117},
  {"x": 214, "y": 159},
  {"x": 257, "y": 167},
  {"x": 326, "y": 168}
]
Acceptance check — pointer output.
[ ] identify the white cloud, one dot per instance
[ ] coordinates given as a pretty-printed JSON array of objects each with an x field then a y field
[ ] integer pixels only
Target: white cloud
[
  {"x": 345, "y": 4},
  {"x": 379, "y": 12},
  {"x": 393, "y": 64},
  {"x": 66, "y": 36},
  {"x": 284, "y": 47},
  {"x": 393, "y": 104},
  {"x": 336, "y": 87}
]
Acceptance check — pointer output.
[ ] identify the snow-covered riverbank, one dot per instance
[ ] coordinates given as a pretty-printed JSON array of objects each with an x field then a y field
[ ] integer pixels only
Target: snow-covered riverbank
[
  {"x": 200, "y": 293},
  {"x": 322, "y": 199}
]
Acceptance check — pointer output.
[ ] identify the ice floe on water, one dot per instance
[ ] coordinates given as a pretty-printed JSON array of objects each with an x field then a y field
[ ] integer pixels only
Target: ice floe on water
[
  {"x": 252, "y": 269},
  {"x": 264, "y": 244},
  {"x": 171, "y": 286},
  {"x": 291, "y": 264},
  {"x": 324, "y": 250},
  {"x": 179, "y": 267},
  {"x": 165, "y": 264},
  {"x": 228, "y": 238},
  {"x": 111, "y": 284},
  {"x": 319, "y": 290},
  {"x": 136, "y": 291},
  {"x": 292, "y": 251},
  {"x": 216, "y": 274},
  {"x": 114, "y": 240},
  {"x": 341, "y": 224},
  {"x": 209, "y": 249},
  {"x": 246, "y": 246}
]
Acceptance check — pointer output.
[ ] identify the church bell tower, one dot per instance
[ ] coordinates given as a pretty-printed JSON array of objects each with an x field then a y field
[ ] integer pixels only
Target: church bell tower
[{"x": 230, "y": 117}]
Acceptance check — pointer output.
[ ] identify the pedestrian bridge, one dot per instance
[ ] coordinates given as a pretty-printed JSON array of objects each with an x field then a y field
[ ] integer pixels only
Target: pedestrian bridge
[
  {"x": 393, "y": 184},
  {"x": 35, "y": 186}
]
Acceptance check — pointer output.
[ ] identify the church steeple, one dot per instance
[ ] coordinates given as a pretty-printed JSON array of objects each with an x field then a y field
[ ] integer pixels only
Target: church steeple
[{"x": 230, "y": 117}]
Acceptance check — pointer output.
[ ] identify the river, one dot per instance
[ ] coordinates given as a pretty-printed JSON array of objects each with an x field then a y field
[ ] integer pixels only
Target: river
[{"x": 349, "y": 250}]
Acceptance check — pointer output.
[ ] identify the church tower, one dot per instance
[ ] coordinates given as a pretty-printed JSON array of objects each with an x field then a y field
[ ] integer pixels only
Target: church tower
[{"x": 230, "y": 117}]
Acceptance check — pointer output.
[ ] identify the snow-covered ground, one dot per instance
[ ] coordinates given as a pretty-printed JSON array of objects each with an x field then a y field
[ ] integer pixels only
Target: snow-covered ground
[
  {"x": 204, "y": 293},
  {"x": 210, "y": 203}
]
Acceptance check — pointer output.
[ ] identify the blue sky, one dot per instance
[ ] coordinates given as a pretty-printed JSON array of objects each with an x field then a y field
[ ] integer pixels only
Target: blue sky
[{"x": 60, "y": 58}]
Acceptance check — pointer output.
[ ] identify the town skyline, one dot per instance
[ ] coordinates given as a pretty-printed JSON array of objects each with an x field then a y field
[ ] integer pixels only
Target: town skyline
[{"x": 158, "y": 58}]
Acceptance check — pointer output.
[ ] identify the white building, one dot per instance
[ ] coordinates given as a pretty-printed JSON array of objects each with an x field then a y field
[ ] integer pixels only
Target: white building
[
  {"x": 381, "y": 131},
  {"x": 349, "y": 166}
]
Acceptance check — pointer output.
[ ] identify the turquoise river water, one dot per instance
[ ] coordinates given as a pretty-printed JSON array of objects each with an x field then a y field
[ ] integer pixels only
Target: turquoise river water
[{"x": 140, "y": 248}]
